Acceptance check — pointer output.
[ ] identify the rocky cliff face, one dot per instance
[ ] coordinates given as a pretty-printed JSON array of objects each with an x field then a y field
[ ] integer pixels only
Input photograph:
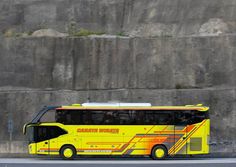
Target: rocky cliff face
[
  {"x": 176, "y": 53},
  {"x": 135, "y": 17}
]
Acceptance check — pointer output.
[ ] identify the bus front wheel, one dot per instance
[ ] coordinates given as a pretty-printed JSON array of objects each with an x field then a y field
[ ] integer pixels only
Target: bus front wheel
[
  {"x": 159, "y": 152},
  {"x": 67, "y": 152}
]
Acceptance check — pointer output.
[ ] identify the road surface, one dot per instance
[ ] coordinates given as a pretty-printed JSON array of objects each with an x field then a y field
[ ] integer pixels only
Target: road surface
[{"x": 114, "y": 162}]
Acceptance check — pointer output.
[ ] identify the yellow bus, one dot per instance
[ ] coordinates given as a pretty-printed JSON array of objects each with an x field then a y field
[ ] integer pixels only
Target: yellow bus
[{"x": 119, "y": 129}]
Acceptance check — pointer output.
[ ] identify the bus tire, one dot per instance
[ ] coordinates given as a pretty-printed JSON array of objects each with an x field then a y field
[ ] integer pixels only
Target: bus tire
[
  {"x": 67, "y": 152},
  {"x": 159, "y": 152}
]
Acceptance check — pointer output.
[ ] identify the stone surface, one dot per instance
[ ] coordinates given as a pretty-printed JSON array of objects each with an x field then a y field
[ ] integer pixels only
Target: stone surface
[
  {"x": 48, "y": 33},
  {"x": 135, "y": 17},
  {"x": 116, "y": 63},
  {"x": 179, "y": 52},
  {"x": 164, "y": 71},
  {"x": 213, "y": 27}
]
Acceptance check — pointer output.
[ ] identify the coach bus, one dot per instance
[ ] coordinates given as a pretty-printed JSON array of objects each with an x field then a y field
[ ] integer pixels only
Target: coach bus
[{"x": 119, "y": 129}]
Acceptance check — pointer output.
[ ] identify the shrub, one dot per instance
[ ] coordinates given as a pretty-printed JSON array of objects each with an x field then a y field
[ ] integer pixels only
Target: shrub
[{"x": 85, "y": 32}]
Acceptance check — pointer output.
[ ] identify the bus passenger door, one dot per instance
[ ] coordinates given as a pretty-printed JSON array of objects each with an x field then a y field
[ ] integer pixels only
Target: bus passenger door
[
  {"x": 47, "y": 137},
  {"x": 54, "y": 133},
  {"x": 42, "y": 145}
]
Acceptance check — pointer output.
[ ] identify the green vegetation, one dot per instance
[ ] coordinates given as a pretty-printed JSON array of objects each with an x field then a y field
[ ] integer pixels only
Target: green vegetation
[
  {"x": 74, "y": 31},
  {"x": 84, "y": 32},
  {"x": 71, "y": 30},
  {"x": 121, "y": 34}
]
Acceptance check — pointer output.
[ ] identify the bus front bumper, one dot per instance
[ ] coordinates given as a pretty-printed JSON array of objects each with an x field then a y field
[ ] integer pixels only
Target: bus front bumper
[{"x": 32, "y": 148}]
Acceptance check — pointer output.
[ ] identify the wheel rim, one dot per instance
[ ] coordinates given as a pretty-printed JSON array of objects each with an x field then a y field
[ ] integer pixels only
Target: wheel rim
[
  {"x": 159, "y": 153},
  {"x": 68, "y": 153}
]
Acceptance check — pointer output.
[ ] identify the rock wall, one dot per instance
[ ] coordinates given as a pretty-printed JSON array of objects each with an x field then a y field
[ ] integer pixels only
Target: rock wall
[
  {"x": 118, "y": 62},
  {"x": 164, "y": 71},
  {"x": 135, "y": 17},
  {"x": 176, "y": 52}
]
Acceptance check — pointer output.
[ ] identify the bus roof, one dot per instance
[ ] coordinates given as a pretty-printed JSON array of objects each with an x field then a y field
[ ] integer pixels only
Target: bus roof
[{"x": 135, "y": 106}]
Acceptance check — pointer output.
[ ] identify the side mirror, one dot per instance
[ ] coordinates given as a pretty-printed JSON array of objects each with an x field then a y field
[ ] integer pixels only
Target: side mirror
[{"x": 24, "y": 129}]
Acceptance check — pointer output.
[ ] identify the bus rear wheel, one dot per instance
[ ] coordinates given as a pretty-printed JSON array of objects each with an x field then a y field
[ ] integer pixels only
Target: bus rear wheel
[
  {"x": 159, "y": 152},
  {"x": 67, "y": 152}
]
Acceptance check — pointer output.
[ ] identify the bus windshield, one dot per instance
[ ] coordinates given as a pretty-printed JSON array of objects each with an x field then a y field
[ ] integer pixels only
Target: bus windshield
[
  {"x": 42, "y": 112},
  {"x": 30, "y": 134},
  {"x": 49, "y": 116}
]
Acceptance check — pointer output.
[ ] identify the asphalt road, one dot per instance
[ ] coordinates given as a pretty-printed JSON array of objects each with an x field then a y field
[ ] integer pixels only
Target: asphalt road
[{"x": 111, "y": 162}]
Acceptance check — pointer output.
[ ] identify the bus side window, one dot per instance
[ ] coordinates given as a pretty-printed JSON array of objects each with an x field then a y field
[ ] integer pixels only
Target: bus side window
[
  {"x": 180, "y": 118},
  {"x": 199, "y": 116},
  {"x": 149, "y": 118},
  {"x": 75, "y": 117},
  {"x": 124, "y": 117},
  {"x": 55, "y": 131},
  {"x": 69, "y": 117},
  {"x": 186, "y": 117},
  {"x": 87, "y": 117},
  {"x": 61, "y": 116},
  {"x": 108, "y": 118},
  {"x": 164, "y": 118},
  {"x": 140, "y": 117}
]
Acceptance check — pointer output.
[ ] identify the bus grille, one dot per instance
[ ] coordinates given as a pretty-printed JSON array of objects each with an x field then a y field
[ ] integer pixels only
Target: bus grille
[{"x": 196, "y": 144}]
